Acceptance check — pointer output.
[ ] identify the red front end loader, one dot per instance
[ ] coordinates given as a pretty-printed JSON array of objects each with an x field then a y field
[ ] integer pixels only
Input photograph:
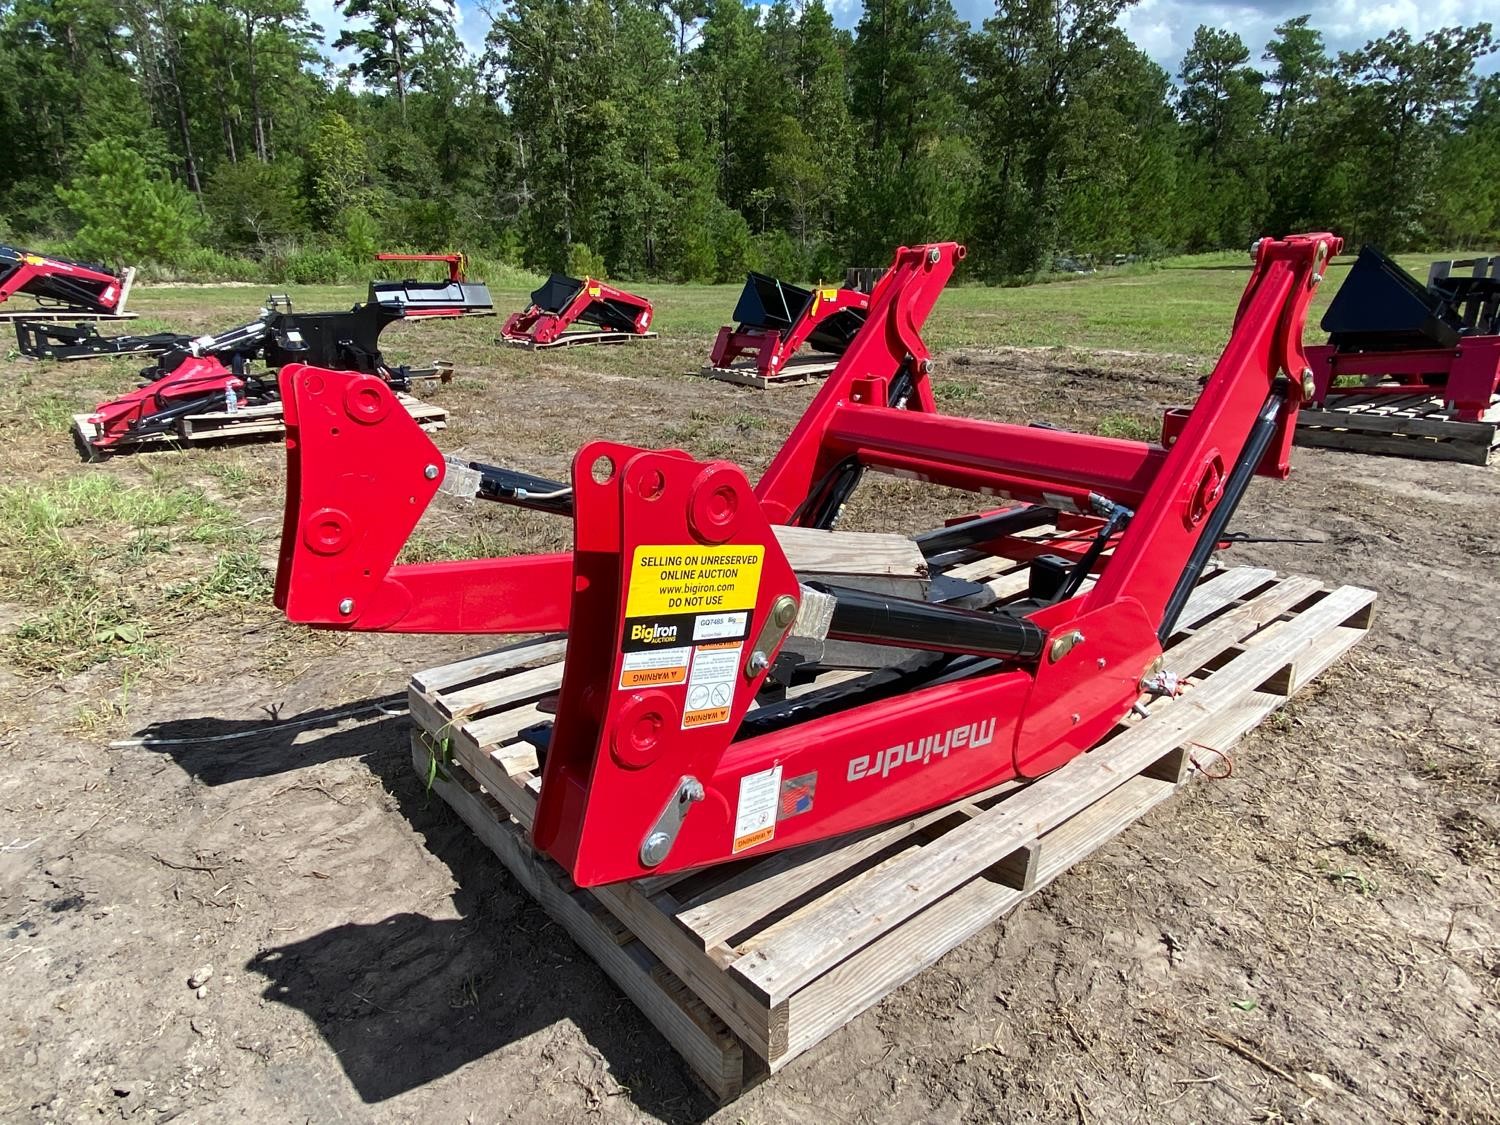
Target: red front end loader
[
  {"x": 560, "y": 306},
  {"x": 775, "y": 320},
  {"x": 61, "y": 286},
  {"x": 1389, "y": 335},
  {"x": 673, "y": 733}
]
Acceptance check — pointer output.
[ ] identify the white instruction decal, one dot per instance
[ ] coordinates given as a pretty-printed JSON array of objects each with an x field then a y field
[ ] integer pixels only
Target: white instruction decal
[
  {"x": 711, "y": 684},
  {"x": 720, "y": 626},
  {"x": 755, "y": 815}
]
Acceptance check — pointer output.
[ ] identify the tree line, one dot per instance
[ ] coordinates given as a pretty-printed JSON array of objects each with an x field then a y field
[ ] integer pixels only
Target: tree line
[{"x": 693, "y": 139}]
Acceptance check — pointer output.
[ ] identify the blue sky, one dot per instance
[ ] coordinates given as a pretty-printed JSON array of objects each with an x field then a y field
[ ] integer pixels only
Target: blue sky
[{"x": 1162, "y": 28}]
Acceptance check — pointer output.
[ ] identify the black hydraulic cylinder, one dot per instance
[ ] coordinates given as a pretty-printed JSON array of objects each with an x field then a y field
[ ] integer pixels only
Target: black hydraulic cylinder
[
  {"x": 1213, "y": 527},
  {"x": 973, "y": 532},
  {"x": 859, "y": 615},
  {"x": 511, "y": 486}
]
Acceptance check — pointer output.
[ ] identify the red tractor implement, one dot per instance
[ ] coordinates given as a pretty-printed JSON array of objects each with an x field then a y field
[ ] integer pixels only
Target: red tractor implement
[
  {"x": 690, "y": 612},
  {"x": 1391, "y": 336},
  {"x": 213, "y": 373},
  {"x": 62, "y": 287},
  {"x": 563, "y": 302},
  {"x": 386, "y": 302},
  {"x": 774, "y": 321}
]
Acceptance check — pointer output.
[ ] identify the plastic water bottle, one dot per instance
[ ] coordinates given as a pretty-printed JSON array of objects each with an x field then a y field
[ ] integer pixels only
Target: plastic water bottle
[{"x": 231, "y": 400}]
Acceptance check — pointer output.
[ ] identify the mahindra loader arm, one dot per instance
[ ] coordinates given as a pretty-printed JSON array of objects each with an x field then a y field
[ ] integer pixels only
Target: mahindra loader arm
[
  {"x": 673, "y": 745},
  {"x": 62, "y": 283},
  {"x": 565, "y": 301}
]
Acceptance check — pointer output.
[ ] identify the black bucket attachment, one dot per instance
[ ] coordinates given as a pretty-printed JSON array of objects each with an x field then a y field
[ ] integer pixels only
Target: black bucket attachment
[
  {"x": 770, "y": 304},
  {"x": 1381, "y": 307},
  {"x": 777, "y": 306}
]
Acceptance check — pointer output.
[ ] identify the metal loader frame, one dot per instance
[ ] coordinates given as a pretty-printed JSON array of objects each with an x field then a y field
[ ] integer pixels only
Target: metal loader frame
[
  {"x": 774, "y": 320},
  {"x": 564, "y": 301},
  {"x": 213, "y": 373},
  {"x": 1398, "y": 337},
  {"x": 674, "y": 736},
  {"x": 62, "y": 287}
]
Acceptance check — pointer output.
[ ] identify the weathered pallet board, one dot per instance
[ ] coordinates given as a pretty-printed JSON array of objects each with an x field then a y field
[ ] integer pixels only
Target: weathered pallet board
[
  {"x": 784, "y": 950},
  {"x": 252, "y": 421},
  {"x": 62, "y": 314},
  {"x": 1415, "y": 425},
  {"x": 570, "y": 339},
  {"x": 794, "y": 373}
]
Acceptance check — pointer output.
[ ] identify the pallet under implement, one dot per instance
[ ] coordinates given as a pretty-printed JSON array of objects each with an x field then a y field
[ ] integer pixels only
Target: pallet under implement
[
  {"x": 1417, "y": 425},
  {"x": 744, "y": 967},
  {"x": 223, "y": 425}
]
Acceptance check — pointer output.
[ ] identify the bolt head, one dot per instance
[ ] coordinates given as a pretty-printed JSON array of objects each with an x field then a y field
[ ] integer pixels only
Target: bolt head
[
  {"x": 759, "y": 662},
  {"x": 655, "y": 849},
  {"x": 346, "y": 607},
  {"x": 430, "y": 472},
  {"x": 784, "y": 612}
]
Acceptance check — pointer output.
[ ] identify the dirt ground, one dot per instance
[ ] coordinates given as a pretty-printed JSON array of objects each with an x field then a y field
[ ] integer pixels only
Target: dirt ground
[{"x": 1313, "y": 939}]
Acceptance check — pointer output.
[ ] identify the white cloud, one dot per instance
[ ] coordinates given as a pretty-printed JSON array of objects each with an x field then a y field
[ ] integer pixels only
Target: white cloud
[{"x": 1164, "y": 28}]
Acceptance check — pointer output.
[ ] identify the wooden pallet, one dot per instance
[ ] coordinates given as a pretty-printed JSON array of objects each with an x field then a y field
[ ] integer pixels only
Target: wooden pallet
[
  {"x": 223, "y": 425},
  {"x": 1415, "y": 425},
  {"x": 569, "y": 339},
  {"x": 746, "y": 966},
  {"x": 62, "y": 314},
  {"x": 791, "y": 375}
]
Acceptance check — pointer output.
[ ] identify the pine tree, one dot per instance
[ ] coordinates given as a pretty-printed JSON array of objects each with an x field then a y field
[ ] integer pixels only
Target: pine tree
[{"x": 124, "y": 213}]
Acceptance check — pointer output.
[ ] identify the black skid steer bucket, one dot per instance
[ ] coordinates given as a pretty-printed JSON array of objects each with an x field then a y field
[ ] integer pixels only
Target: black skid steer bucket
[
  {"x": 772, "y": 305},
  {"x": 1381, "y": 307}
]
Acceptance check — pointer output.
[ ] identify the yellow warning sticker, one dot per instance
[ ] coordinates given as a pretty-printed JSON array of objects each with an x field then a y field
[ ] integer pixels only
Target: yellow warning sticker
[
  {"x": 829, "y": 294},
  {"x": 686, "y": 579}
]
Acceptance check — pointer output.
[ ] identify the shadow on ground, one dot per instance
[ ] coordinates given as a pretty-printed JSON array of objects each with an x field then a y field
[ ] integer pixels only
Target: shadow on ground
[
  {"x": 410, "y": 999},
  {"x": 220, "y": 751}
]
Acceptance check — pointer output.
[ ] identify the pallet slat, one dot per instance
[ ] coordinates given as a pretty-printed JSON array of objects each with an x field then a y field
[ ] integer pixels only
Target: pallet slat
[
  {"x": 787, "y": 948},
  {"x": 792, "y": 374},
  {"x": 569, "y": 339},
  {"x": 1402, "y": 425}
]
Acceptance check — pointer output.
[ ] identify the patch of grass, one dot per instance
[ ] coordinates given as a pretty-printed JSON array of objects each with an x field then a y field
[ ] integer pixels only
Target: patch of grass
[
  {"x": 49, "y": 412},
  {"x": 951, "y": 392},
  {"x": 76, "y": 556},
  {"x": 1128, "y": 426},
  {"x": 85, "y": 629},
  {"x": 1365, "y": 843},
  {"x": 237, "y": 579},
  {"x": 1349, "y": 879},
  {"x": 424, "y": 548},
  {"x": 744, "y": 422},
  {"x": 1475, "y": 839},
  {"x": 105, "y": 713}
]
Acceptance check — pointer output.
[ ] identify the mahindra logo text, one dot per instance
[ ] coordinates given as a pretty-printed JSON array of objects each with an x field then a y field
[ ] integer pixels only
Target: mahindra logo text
[{"x": 923, "y": 750}]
